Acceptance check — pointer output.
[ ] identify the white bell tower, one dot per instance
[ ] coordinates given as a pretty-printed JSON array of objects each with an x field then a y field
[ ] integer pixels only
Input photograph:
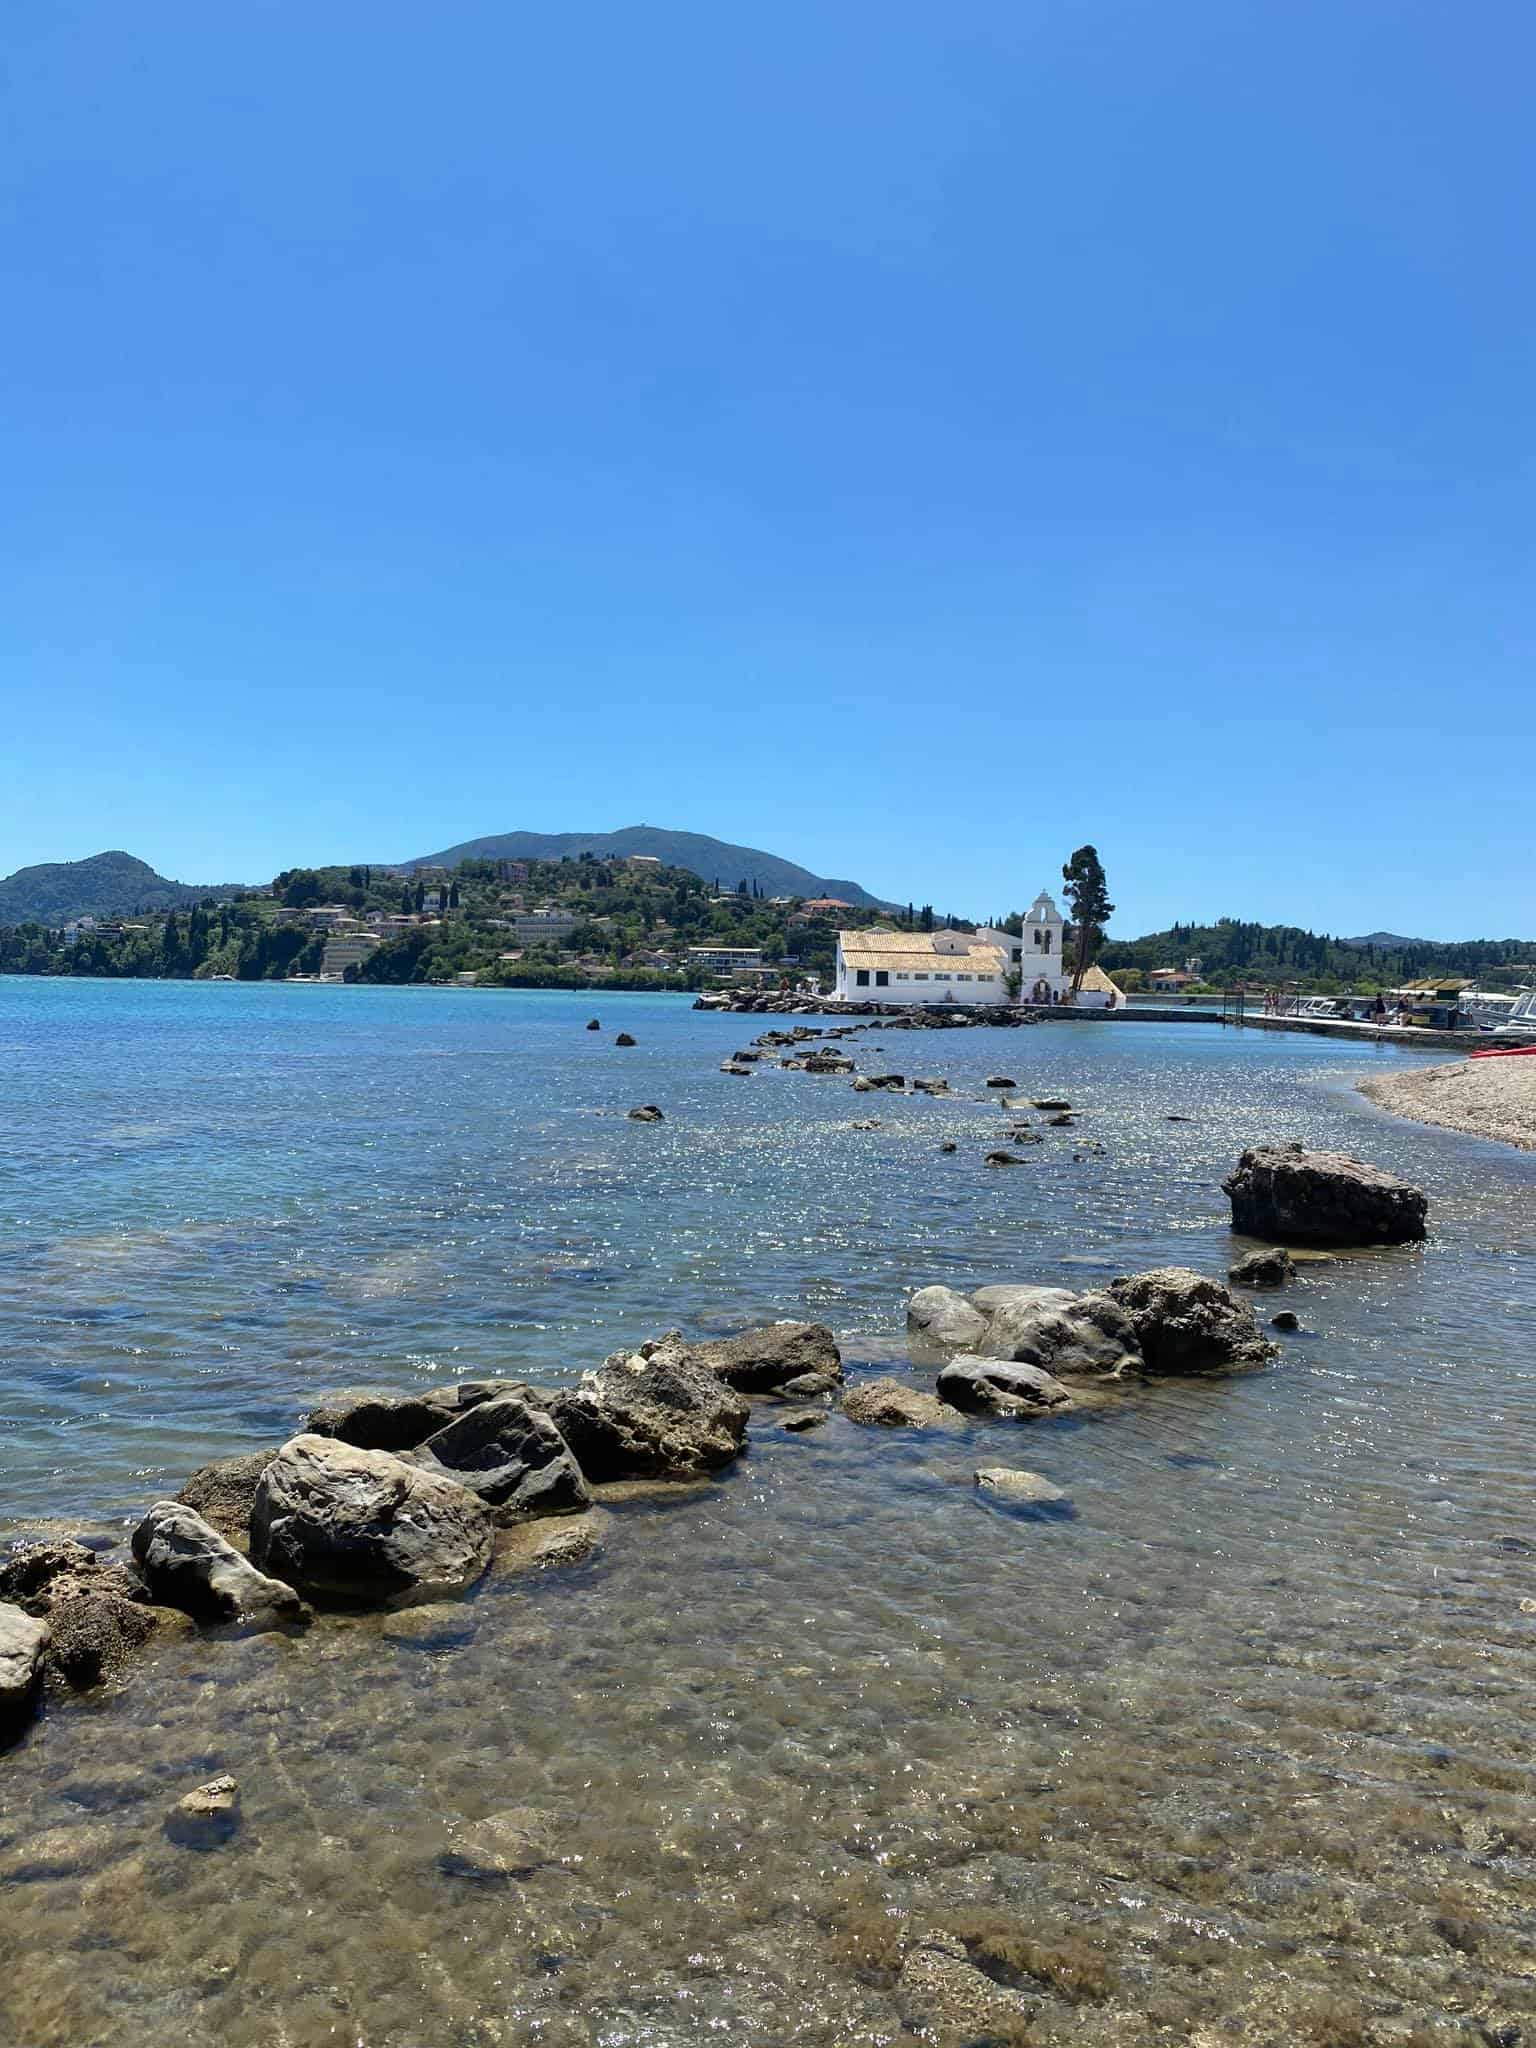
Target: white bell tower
[{"x": 1044, "y": 931}]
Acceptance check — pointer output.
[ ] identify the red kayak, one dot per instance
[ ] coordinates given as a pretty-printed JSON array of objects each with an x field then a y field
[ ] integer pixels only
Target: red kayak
[{"x": 1502, "y": 1052}]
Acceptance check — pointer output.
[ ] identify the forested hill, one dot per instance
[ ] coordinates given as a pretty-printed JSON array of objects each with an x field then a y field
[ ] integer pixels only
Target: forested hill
[
  {"x": 1231, "y": 949},
  {"x": 106, "y": 885},
  {"x": 712, "y": 860}
]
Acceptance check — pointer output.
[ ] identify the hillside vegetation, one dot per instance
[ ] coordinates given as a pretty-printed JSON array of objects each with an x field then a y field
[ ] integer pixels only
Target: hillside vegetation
[{"x": 106, "y": 885}]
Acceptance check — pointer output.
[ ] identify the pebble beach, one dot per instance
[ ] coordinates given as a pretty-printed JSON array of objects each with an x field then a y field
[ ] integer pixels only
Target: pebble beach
[{"x": 1485, "y": 1098}]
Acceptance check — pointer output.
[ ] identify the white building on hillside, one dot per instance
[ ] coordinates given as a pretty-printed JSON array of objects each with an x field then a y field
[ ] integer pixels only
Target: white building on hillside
[{"x": 913, "y": 968}]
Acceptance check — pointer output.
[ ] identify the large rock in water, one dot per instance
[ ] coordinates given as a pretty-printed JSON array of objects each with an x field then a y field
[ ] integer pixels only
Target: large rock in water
[
  {"x": 887, "y": 1404},
  {"x": 761, "y": 1359},
  {"x": 995, "y": 1386},
  {"x": 1084, "y": 1334},
  {"x": 224, "y": 1492},
  {"x": 1188, "y": 1324},
  {"x": 512, "y": 1456},
  {"x": 353, "y": 1524},
  {"x": 23, "y": 1641},
  {"x": 651, "y": 1414},
  {"x": 97, "y": 1624},
  {"x": 376, "y": 1420},
  {"x": 940, "y": 1316},
  {"x": 1302, "y": 1197},
  {"x": 186, "y": 1563}
]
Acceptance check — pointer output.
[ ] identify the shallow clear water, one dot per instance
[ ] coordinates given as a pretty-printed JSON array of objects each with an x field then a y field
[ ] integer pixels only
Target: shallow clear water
[{"x": 1242, "y": 1750}]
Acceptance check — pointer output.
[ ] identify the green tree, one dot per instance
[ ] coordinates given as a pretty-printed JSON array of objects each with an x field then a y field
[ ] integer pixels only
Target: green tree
[{"x": 1087, "y": 895}]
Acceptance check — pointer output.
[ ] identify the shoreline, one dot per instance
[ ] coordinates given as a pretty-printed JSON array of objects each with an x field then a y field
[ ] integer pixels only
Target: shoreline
[{"x": 1493, "y": 1099}]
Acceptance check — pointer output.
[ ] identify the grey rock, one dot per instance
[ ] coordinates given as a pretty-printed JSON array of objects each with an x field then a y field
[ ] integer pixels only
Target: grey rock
[
  {"x": 731, "y": 1067},
  {"x": 1000, "y": 1081},
  {"x": 811, "y": 1386},
  {"x": 1085, "y": 1334},
  {"x": 990, "y": 1299},
  {"x": 1287, "y": 1319},
  {"x": 512, "y": 1456},
  {"x": 23, "y": 1643},
  {"x": 1025, "y": 1489},
  {"x": 375, "y": 1420},
  {"x": 771, "y": 1356},
  {"x": 355, "y": 1524},
  {"x": 1046, "y": 1102},
  {"x": 1306, "y": 1197},
  {"x": 186, "y": 1563},
  {"x": 623, "y": 1039},
  {"x": 799, "y": 1420},
  {"x": 930, "y": 1087},
  {"x": 949, "y": 1145},
  {"x": 224, "y": 1492},
  {"x": 647, "y": 1114},
  {"x": 1186, "y": 1323},
  {"x": 996, "y": 1386},
  {"x": 887, "y": 1404},
  {"x": 656, "y": 1412},
  {"x": 1263, "y": 1269},
  {"x": 940, "y": 1316},
  {"x": 1003, "y": 1159}
]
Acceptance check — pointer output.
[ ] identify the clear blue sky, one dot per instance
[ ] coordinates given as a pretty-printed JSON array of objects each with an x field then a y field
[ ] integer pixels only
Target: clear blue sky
[{"x": 914, "y": 439}]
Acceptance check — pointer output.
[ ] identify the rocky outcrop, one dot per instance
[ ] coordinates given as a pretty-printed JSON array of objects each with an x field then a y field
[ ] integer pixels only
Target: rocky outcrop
[
  {"x": 344, "y": 1523},
  {"x": 1186, "y": 1323},
  {"x": 1303, "y": 1197},
  {"x": 653, "y": 1413},
  {"x": 224, "y": 1493},
  {"x": 30, "y": 1568},
  {"x": 1270, "y": 1268},
  {"x": 648, "y": 1113},
  {"x": 23, "y": 1644},
  {"x": 887, "y": 1404},
  {"x": 97, "y": 1624},
  {"x": 1084, "y": 1334},
  {"x": 996, "y": 1386},
  {"x": 938, "y": 1315},
  {"x": 1000, "y": 1081},
  {"x": 207, "y": 1815},
  {"x": 623, "y": 1039},
  {"x": 760, "y": 1360},
  {"x": 510, "y": 1454},
  {"x": 186, "y": 1563}
]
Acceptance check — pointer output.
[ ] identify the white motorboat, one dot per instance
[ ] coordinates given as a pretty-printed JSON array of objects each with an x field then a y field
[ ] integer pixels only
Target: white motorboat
[
  {"x": 1521, "y": 1021},
  {"x": 1486, "y": 1008}
]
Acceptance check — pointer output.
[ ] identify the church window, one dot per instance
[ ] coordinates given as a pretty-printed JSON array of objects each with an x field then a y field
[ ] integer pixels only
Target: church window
[{"x": 863, "y": 977}]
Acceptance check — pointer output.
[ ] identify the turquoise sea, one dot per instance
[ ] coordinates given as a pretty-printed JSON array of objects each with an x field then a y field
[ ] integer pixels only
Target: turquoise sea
[{"x": 1252, "y": 1728}]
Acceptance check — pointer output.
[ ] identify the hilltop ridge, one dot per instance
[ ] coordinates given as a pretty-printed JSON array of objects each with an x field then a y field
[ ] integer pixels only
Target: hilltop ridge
[{"x": 712, "y": 860}]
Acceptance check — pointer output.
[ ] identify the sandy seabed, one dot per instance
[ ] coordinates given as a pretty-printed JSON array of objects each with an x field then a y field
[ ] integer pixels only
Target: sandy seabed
[{"x": 1489, "y": 1098}]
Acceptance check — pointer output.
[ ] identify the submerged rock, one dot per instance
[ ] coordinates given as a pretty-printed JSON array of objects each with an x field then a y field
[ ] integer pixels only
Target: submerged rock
[
  {"x": 772, "y": 1356},
  {"x": 23, "y": 1644},
  {"x": 536, "y": 1546},
  {"x": 799, "y": 1420},
  {"x": 1186, "y": 1323},
  {"x": 996, "y": 1386},
  {"x": 942, "y": 1996},
  {"x": 355, "y": 1524},
  {"x": 1270, "y": 1268},
  {"x": 1025, "y": 1489},
  {"x": 1003, "y": 1159},
  {"x": 512, "y": 1456},
  {"x": 887, "y": 1404},
  {"x": 503, "y": 1845},
  {"x": 1306, "y": 1197},
  {"x": 186, "y": 1563},
  {"x": 939, "y": 1315},
  {"x": 207, "y": 1816},
  {"x": 655, "y": 1412},
  {"x": 990, "y": 1299}
]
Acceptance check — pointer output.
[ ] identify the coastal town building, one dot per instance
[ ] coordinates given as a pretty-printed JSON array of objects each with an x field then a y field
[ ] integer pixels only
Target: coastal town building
[
  {"x": 544, "y": 927},
  {"x": 726, "y": 960},
  {"x": 344, "y": 950},
  {"x": 984, "y": 966},
  {"x": 1172, "y": 978}
]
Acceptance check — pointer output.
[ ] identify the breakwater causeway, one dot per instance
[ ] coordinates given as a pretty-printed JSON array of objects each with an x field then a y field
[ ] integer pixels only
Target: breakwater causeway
[{"x": 1236, "y": 1749}]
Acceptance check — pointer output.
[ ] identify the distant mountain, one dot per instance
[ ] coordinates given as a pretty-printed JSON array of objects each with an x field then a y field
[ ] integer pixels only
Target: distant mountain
[
  {"x": 714, "y": 860},
  {"x": 1393, "y": 941},
  {"x": 106, "y": 885}
]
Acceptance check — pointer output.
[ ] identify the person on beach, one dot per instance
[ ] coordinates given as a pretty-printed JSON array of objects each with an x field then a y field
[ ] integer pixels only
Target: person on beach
[{"x": 1379, "y": 1010}]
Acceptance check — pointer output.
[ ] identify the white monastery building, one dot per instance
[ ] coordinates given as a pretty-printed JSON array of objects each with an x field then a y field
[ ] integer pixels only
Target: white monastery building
[{"x": 912, "y": 968}]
